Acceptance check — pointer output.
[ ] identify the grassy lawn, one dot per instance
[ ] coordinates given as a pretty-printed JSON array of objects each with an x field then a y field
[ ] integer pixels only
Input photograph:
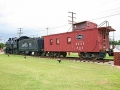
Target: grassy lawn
[{"x": 32, "y": 73}]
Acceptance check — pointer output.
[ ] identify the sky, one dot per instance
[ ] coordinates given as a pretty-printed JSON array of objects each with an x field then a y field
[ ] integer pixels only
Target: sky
[{"x": 35, "y": 16}]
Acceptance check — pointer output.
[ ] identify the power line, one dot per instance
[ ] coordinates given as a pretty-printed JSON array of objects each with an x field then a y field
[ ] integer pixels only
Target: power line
[
  {"x": 108, "y": 2},
  {"x": 111, "y": 9},
  {"x": 58, "y": 27},
  {"x": 51, "y": 28},
  {"x": 69, "y": 28},
  {"x": 106, "y": 16},
  {"x": 20, "y": 31},
  {"x": 110, "y": 12},
  {"x": 7, "y": 34}
]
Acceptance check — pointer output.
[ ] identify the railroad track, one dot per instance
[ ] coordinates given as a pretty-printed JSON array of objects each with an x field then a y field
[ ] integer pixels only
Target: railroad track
[{"x": 100, "y": 61}]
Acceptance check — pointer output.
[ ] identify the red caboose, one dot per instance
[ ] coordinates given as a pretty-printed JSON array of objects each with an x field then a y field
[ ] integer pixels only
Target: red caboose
[{"x": 86, "y": 39}]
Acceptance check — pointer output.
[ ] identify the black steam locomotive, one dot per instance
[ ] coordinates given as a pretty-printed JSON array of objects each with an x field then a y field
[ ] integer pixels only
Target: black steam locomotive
[{"x": 25, "y": 45}]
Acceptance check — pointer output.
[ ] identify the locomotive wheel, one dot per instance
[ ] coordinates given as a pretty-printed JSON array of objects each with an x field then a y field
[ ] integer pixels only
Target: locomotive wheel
[
  {"x": 55, "y": 54},
  {"x": 84, "y": 55},
  {"x": 49, "y": 54},
  {"x": 80, "y": 57},
  {"x": 65, "y": 54},
  {"x": 95, "y": 56},
  {"x": 43, "y": 53},
  {"x": 92, "y": 56}
]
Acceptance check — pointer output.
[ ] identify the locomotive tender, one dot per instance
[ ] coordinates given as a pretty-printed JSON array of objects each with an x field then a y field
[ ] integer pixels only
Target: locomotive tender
[
  {"x": 31, "y": 46},
  {"x": 25, "y": 45},
  {"x": 88, "y": 40}
]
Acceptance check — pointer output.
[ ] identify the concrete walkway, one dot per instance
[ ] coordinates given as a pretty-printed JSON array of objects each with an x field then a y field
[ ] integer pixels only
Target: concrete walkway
[{"x": 1, "y": 52}]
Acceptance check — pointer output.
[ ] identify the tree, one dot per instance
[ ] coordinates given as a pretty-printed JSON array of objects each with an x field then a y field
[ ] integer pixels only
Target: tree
[
  {"x": 2, "y": 45},
  {"x": 115, "y": 42}
]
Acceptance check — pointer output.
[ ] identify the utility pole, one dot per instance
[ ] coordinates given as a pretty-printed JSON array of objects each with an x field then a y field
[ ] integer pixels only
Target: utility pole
[
  {"x": 20, "y": 31},
  {"x": 72, "y": 19},
  {"x": 47, "y": 30}
]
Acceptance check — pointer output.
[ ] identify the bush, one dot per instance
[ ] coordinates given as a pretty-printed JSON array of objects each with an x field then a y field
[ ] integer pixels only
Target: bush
[{"x": 2, "y": 45}]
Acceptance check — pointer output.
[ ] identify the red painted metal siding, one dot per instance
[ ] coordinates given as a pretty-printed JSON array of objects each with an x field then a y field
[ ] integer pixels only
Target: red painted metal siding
[
  {"x": 88, "y": 43},
  {"x": 85, "y": 37}
]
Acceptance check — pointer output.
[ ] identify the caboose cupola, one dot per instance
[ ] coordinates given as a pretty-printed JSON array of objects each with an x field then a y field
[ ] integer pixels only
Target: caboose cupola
[{"x": 84, "y": 25}]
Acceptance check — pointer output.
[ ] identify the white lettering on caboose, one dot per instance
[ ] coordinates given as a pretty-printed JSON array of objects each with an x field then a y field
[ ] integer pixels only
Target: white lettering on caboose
[{"x": 79, "y": 45}]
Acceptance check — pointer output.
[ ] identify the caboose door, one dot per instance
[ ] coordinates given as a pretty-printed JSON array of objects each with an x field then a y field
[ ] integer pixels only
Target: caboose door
[{"x": 103, "y": 39}]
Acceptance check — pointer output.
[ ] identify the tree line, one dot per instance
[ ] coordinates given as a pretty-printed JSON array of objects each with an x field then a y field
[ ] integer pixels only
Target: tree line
[{"x": 115, "y": 42}]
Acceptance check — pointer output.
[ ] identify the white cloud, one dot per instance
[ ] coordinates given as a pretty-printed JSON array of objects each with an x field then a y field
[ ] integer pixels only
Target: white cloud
[{"x": 40, "y": 14}]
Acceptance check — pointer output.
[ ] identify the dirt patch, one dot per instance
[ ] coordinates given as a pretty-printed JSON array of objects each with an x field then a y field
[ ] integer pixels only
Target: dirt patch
[{"x": 103, "y": 82}]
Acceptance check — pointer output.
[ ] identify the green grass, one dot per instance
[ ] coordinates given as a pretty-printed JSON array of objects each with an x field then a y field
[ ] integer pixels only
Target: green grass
[
  {"x": 17, "y": 73},
  {"x": 109, "y": 57},
  {"x": 73, "y": 55}
]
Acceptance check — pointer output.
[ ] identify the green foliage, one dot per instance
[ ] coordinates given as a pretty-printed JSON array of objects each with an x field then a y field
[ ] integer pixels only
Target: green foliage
[
  {"x": 33, "y": 73},
  {"x": 115, "y": 42},
  {"x": 2, "y": 45}
]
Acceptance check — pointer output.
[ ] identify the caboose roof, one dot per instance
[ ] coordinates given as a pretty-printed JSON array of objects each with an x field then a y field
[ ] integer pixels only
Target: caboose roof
[
  {"x": 108, "y": 28},
  {"x": 82, "y": 22},
  {"x": 57, "y": 34}
]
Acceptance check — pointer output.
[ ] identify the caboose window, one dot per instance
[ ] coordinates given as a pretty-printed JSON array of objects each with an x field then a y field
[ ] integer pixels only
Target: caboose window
[
  {"x": 82, "y": 25},
  {"x": 57, "y": 41},
  {"x": 75, "y": 26},
  {"x": 69, "y": 40},
  {"x": 88, "y": 24},
  {"x": 51, "y": 42},
  {"x": 79, "y": 36}
]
